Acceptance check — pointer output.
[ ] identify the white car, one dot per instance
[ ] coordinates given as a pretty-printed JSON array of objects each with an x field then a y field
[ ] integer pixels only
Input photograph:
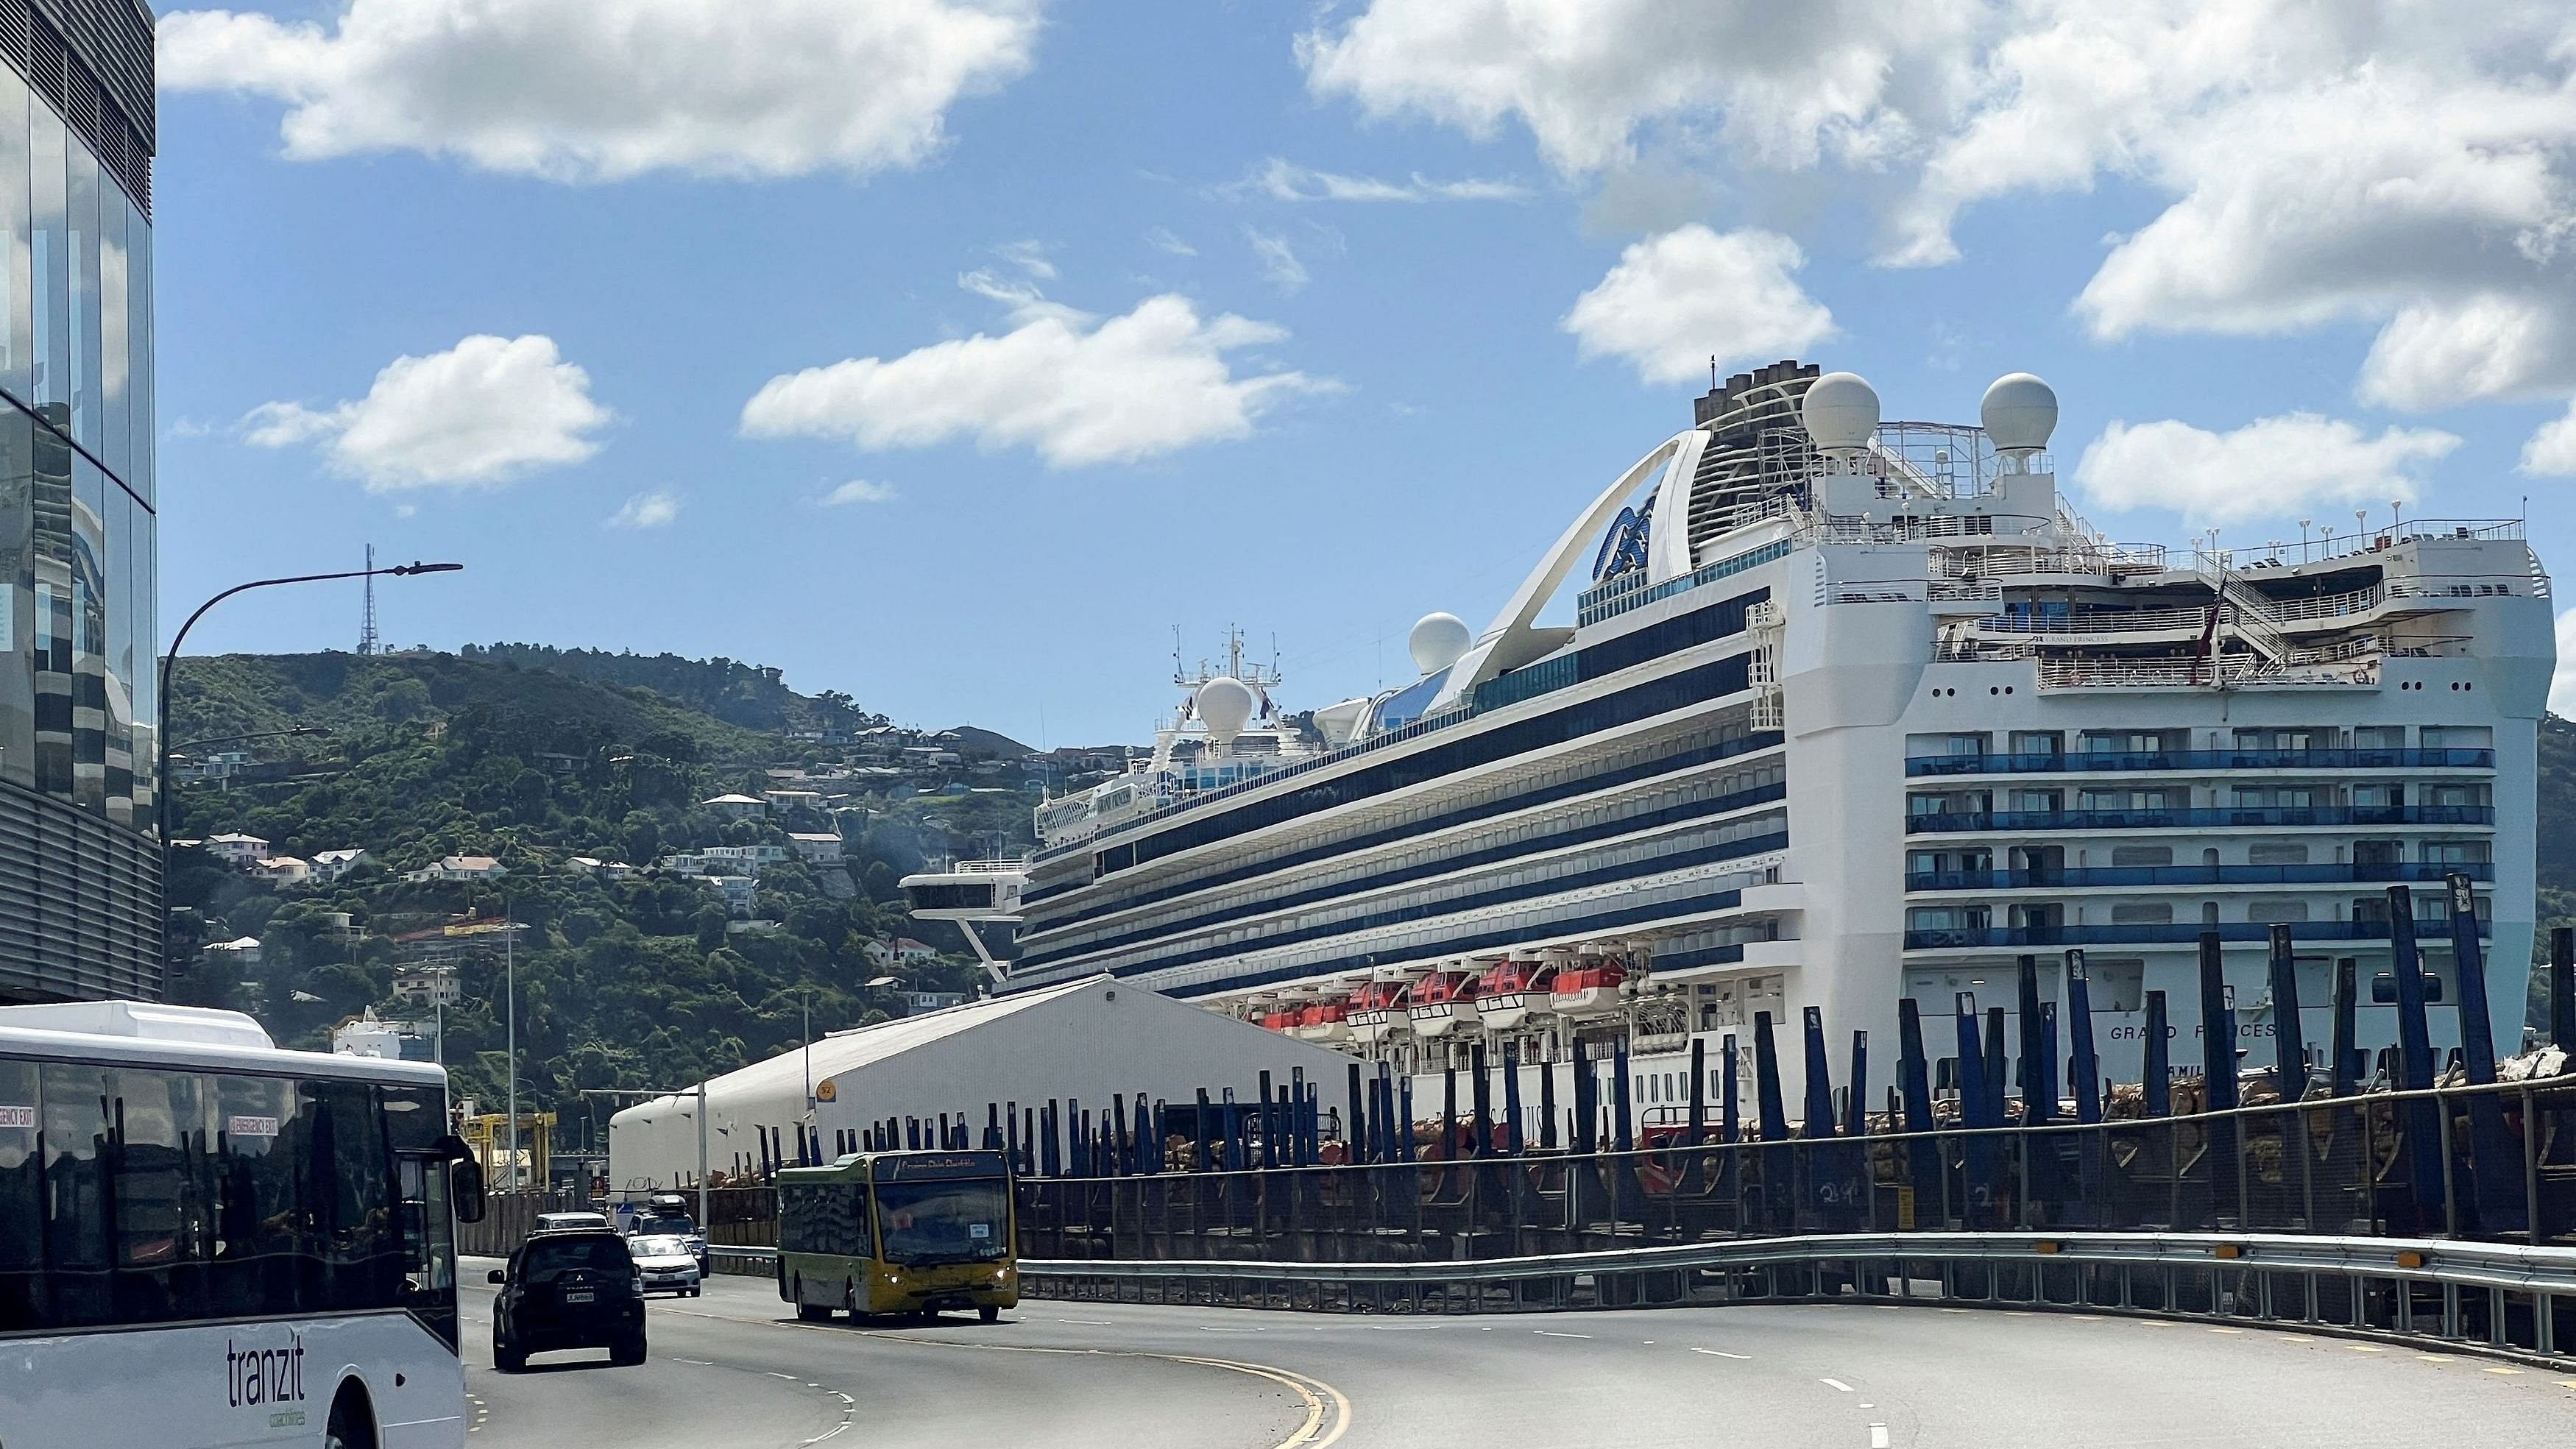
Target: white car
[{"x": 666, "y": 1264}]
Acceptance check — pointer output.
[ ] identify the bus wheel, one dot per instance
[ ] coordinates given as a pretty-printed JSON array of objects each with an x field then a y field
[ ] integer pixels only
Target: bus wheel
[
  {"x": 812, "y": 1313},
  {"x": 989, "y": 1313},
  {"x": 352, "y": 1425}
]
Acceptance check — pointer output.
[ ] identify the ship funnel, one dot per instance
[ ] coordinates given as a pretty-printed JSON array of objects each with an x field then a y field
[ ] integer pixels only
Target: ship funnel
[
  {"x": 1225, "y": 707},
  {"x": 1438, "y": 641}
]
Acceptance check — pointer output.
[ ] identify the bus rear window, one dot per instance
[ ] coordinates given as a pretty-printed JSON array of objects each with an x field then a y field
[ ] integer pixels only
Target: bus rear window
[{"x": 550, "y": 1258}]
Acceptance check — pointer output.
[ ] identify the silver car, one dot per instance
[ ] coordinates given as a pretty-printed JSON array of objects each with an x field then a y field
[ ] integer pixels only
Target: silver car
[{"x": 666, "y": 1264}]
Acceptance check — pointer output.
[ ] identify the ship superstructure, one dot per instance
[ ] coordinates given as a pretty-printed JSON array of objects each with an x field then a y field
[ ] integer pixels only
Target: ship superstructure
[{"x": 1851, "y": 711}]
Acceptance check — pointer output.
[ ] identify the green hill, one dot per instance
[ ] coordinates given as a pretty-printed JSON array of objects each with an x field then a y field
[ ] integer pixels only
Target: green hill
[{"x": 534, "y": 757}]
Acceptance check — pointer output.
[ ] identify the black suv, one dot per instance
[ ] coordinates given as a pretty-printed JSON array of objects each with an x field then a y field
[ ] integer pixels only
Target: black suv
[{"x": 568, "y": 1289}]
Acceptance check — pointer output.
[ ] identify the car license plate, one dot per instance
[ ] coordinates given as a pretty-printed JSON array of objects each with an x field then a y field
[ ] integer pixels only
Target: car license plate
[{"x": 577, "y": 1295}]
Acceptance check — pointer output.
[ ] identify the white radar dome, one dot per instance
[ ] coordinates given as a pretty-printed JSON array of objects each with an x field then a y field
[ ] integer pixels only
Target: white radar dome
[
  {"x": 2019, "y": 413},
  {"x": 1841, "y": 412},
  {"x": 1438, "y": 641},
  {"x": 1225, "y": 707}
]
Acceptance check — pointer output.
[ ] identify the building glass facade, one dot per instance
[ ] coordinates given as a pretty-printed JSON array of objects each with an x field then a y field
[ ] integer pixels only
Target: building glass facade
[{"x": 80, "y": 906}]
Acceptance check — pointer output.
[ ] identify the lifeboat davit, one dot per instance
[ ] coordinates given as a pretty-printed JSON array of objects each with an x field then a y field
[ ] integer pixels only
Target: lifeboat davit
[
  {"x": 1587, "y": 990},
  {"x": 1441, "y": 1000},
  {"x": 1376, "y": 1011},
  {"x": 1509, "y": 990}
]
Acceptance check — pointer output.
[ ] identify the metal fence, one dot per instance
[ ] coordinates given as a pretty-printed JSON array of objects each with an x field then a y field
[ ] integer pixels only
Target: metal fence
[
  {"x": 2519, "y": 1301},
  {"x": 2491, "y": 1163}
]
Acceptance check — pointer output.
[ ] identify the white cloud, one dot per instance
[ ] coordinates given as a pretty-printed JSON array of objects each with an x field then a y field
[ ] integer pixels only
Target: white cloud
[
  {"x": 1077, "y": 389},
  {"x": 483, "y": 412},
  {"x": 2271, "y": 468},
  {"x": 1163, "y": 239},
  {"x": 2406, "y": 165},
  {"x": 860, "y": 490},
  {"x": 2553, "y": 448},
  {"x": 569, "y": 90},
  {"x": 1279, "y": 263},
  {"x": 1029, "y": 257},
  {"x": 646, "y": 510},
  {"x": 1674, "y": 299},
  {"x": 1283, "y": 180},
  {"x": 2562, "y": 683},
  {"x": 1786, "y": 83}
]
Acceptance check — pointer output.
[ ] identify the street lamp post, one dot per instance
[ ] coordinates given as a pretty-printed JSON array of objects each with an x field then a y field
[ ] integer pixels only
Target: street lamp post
[{"x": 161, "y": 736}]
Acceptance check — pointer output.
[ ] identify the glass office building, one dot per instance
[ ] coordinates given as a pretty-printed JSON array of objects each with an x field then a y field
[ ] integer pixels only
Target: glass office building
[{"x": 80, "y": 891}]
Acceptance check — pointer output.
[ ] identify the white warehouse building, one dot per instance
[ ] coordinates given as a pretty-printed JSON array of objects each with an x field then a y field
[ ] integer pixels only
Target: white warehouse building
[{"x": 1083, "y": 1039}]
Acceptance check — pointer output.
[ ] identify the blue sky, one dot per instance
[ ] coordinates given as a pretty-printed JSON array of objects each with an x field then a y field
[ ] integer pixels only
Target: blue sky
[{"x": 1195, "y": 314}]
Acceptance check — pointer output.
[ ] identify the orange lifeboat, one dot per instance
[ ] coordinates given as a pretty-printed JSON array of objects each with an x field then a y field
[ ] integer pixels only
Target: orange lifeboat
[
  {"x": 1587, "y": 990},
  {"x": 1439, "y": 1001},
  {"x": 1322, "y": 1021},
  {"x": 1508, "y": 991},
  {"x": 1376, "y": 1011}
]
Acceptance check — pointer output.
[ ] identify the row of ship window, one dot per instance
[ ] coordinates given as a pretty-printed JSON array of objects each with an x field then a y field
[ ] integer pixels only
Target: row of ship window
[
  {"x": 2039, "y": 858},
  {"x": 2298, "y": 796},
  {"x": 1575, "y": 773},
  {"x": 2260, "y": 910},
  {"x": 1693, "y": 800},
  {"x": 2142, "y": 741}
]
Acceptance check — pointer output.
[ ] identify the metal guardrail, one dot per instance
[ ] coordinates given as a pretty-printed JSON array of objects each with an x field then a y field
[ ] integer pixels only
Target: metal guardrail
[{"x": 2514, "y": 1300}]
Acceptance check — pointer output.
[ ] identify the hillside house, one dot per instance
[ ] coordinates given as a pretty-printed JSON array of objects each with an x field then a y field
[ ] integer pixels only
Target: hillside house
[
  {"x": 330, "y": 865},
  {"x": 818, "y": 847},
  {"x": 461, "y": 868},
  {"x": 238, "y": 851},
  {"x": 283, "y": 869}
]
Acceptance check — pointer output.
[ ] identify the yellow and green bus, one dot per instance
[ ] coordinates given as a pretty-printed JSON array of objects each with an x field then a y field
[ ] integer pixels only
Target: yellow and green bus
[{"x": 883, "y": 1233}]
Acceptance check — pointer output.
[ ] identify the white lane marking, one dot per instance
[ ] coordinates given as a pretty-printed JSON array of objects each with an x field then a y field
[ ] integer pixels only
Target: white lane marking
[
  {"x": 1722, "y": 1353},
  {"x": 1212, "y": 1328},
  {"x": 2497, "y": 1368},
  {"x": 700, "y": 1362},
  {"x": 1835, "y": 1384},
  {"x": 1093, "y": 1322},
  {"x": 1544, "y": 1333},
  {"x": 1878, "y": 1436},
  {"x": 1650, "y": 1342},
  {"x": 791, "y": 1378}
]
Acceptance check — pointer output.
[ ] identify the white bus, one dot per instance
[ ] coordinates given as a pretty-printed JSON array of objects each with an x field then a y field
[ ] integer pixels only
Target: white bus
[{"x": 205, "y": 1240}]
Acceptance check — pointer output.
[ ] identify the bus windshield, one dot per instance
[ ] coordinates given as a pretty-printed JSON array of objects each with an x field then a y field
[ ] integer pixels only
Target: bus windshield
[{"x": 922, "y": 1223}]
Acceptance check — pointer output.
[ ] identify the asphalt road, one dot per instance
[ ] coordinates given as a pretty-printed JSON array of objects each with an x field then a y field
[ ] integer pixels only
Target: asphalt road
[{"x": 734, "y": 1370}]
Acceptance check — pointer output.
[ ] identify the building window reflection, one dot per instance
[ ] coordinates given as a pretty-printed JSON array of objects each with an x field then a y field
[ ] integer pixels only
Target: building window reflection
[{"x": 79, "y": 629}]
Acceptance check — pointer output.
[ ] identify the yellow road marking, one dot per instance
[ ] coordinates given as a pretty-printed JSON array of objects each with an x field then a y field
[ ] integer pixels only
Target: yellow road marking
[
  {"x": 1328, "y": 1409},
  {"x": 2497, "y": 1368}
]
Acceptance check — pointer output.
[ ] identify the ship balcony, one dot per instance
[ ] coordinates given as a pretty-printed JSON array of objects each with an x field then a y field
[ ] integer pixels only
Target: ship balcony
[
  {"x": 2269, "y": 761},
  {"x": 2075, "y": 673},
  {"x": 2219, "y": 818},
  {"x": 2088, "y": 877},
  {"x": 2024, "y": 938}
]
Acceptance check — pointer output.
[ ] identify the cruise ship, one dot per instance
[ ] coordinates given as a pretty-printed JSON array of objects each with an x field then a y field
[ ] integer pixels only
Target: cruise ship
[{"x": 1850, "y": 711}]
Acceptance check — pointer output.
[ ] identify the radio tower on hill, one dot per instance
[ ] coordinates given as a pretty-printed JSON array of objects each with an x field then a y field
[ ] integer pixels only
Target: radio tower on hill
[{"x": 367, "y": 625}]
